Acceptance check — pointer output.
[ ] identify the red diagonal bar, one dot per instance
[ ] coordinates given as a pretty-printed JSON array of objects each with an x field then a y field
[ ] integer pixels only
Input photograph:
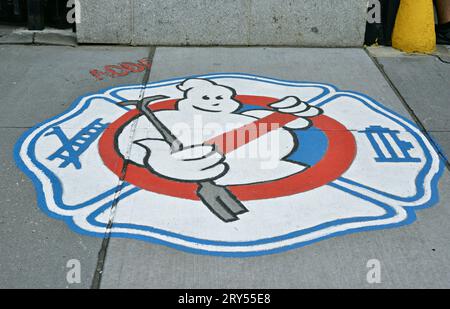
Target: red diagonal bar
[{"x": 232, "y": 140}]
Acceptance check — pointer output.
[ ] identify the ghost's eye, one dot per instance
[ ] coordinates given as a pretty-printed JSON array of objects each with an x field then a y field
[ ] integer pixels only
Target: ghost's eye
[
  {"x": 206, "y": 97},
  {"x": 219, "y": 98}
]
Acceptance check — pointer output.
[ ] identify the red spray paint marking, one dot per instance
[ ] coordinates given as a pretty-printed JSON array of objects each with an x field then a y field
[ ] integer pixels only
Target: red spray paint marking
[{"x": 121, "y": 69}]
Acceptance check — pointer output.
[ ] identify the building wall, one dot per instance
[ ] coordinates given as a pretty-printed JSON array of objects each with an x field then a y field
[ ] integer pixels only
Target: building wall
[{"x": 223, "y": 22}]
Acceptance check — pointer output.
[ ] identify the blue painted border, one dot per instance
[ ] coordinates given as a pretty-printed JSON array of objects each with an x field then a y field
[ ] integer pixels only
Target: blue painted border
[
  {"x": 388, "y": 209},
  {"x": 419, "y": 183}
]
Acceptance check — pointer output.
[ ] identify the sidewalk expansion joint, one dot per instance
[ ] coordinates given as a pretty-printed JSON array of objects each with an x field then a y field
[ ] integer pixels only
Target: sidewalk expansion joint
[
  {"x": 411, "y": 112},
  {"x": 96, "y": 282}
]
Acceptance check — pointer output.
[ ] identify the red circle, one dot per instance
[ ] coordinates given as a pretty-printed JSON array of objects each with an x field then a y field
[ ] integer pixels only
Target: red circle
[{"x": 338, "y": 158}]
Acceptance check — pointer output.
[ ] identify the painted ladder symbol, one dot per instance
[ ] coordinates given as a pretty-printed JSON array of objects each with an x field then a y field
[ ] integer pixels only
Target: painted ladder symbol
[
  {"x": 73, "y": 148},
  {"x": 388, "y": 146}
]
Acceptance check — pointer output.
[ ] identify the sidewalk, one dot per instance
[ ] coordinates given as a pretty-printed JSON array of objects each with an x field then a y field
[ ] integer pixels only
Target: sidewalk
[{"x": 40, "y": 82}]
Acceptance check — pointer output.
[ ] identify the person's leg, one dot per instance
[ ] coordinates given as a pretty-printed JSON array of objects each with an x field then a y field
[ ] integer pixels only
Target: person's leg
[
  {"x": 443, "y": 8},
  {"x": 443, "y": 29}
]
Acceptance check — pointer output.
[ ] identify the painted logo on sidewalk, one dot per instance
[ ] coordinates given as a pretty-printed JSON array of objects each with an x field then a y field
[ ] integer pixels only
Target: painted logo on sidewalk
[{"x": 230, "y": 164}]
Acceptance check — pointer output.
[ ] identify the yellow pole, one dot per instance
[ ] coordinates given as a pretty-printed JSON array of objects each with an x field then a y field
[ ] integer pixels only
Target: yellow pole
[{"x": 414, "y": 29}]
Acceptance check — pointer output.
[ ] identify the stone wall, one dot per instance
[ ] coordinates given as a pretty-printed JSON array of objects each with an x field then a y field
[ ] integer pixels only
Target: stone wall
[{"x": 324, "y": 23}]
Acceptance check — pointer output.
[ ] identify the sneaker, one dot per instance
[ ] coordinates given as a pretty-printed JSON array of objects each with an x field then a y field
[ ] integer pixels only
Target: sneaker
[{"x": 443, "y": 34}]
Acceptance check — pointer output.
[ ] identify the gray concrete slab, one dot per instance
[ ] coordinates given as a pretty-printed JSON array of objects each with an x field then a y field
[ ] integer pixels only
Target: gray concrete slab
[
  {"x": 232, "y": 22},
  {"x": 4, "y": 29},
  {"x": 411, "y": 256},
  {"x": 346, "y": 68},
  {"x": 40, "y": 82},
  {"x": 177, "y": 22},
  {"x": 48, "y": 36},
  {"x": 442, "y": 51},
  {"x": 60, "y": 39},
  {"x": 443, "y": 140},
  {"x": 17, "y": 38},
  {"x": 414, "y": 256},
  {"x": 105, "y": 21},
  {"x": 307, "y": 23},
  {"x": 31, "y": 72},
  {"x": 35, "y": 249},
  {"x": 424, "y": 83}
]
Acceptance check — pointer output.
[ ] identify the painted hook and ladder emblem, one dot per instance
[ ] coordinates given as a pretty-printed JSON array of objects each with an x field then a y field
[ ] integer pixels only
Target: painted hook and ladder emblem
[{"x": 73, "y": 148}]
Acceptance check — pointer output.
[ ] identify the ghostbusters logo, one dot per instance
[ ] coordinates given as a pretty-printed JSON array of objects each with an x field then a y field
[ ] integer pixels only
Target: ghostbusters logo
[
  {"x": 229, "y": 164},
  {"x": 219, "y": 156}
]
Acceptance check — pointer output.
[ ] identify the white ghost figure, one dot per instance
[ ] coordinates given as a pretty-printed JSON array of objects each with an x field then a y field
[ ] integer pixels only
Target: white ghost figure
[{"x": 208, "y": 110}]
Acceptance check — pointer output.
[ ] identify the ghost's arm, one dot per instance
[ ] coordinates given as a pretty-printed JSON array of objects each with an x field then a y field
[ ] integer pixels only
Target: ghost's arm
[
  {"x": 192, "y": 163},
  {"x": 290, "y": 105}
]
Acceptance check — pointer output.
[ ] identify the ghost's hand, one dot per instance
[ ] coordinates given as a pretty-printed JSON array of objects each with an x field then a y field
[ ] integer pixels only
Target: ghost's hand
[
  {"x": 192, "y": 164},
  {"x": 295, "y": 106}
]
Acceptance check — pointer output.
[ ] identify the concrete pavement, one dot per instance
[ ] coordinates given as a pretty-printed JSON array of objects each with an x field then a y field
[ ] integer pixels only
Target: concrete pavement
[
  {"x": 39, "y": 83},
  {"x": 35, "y": 248},
  {"x": 431, "y": 76}
]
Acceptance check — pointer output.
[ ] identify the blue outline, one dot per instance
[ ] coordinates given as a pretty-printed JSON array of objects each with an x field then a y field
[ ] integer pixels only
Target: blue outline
[
  {"x": 420, "y": 179},
  {"x": 40, "y": 196},
  {"x": 411, "y": 215}
]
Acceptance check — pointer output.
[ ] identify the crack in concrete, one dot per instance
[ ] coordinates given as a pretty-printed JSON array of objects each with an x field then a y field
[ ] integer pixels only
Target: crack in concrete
[
  {"x": 441, "y": 59},
  {"x": 96, "y": 281}
]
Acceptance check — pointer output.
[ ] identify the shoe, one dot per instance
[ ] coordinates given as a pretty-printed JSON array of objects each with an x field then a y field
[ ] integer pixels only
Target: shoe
[{"x": 443, "y": 34}]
